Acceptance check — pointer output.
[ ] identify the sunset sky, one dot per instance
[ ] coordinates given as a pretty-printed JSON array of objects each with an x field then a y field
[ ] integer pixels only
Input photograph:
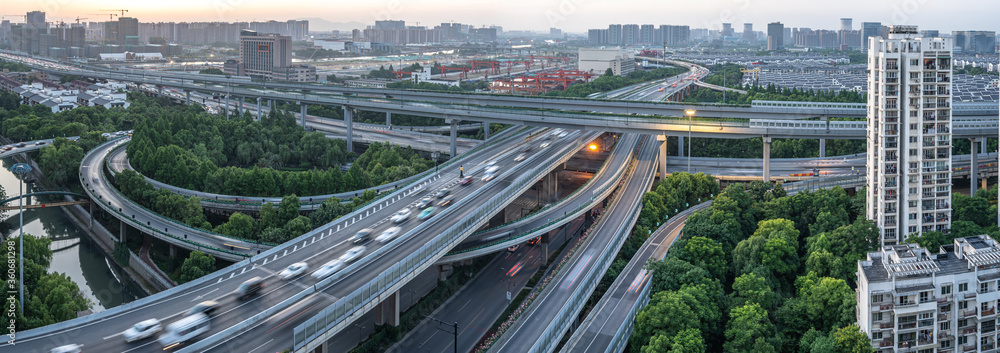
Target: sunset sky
[{"x": 569, "y": 15}]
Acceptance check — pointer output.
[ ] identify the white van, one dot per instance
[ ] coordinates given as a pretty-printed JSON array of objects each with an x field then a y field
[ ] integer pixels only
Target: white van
[{"x": 183, "y": 330}]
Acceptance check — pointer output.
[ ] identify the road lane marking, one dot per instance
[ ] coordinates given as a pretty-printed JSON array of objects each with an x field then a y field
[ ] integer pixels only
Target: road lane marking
[
  {"x": 258, "y": 347},
  {"x": 203, "y": 295}
]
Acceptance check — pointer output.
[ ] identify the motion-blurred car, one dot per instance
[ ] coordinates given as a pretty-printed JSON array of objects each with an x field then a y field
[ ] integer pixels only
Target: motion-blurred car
[
  {"x": 142, "y": 330},
  {"x": 294, "y": 270}
]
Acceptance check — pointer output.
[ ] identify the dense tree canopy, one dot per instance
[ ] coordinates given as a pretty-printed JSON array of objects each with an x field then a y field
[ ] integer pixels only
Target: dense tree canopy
[
  {"x": 787, "y": 267},
  {"x": 51, "y": 297}
]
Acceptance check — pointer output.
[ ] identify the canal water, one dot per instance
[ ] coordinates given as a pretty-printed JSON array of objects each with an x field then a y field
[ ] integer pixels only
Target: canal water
[{"x": 74, "y": 254}]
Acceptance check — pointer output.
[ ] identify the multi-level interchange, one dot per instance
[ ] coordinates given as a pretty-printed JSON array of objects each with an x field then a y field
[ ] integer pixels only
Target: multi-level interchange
[{"x": 909, "y": 298}]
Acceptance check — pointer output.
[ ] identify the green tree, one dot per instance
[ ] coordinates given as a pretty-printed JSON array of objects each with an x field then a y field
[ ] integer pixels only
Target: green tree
[
  {"x": 706, "y": 253},
  {"x": 751, "y": 288},
  {"x": 211, "y": 71},
  {"x": 196, "y": 265},
  {"x": 55, "y": 298},
  {"x": 850, "y": 339},
  {"x": 288, "y": 208},
  {"x": 297, "y": 226},
  {"x": 746, "y": 324},
  {"x": 239, "y": 225}
]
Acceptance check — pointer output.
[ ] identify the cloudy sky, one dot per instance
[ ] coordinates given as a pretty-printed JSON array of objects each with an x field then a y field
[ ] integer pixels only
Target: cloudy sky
[{"x": 569, "y": 15}]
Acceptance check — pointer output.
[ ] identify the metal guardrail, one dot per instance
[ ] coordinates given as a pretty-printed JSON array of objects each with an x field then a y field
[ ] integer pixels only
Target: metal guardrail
[
  {"x": 554, "y": 332},
  {"x": 136, "y": 261},
  {"x": 368, "y": 295},
  {"x": 821, "y": 183}
]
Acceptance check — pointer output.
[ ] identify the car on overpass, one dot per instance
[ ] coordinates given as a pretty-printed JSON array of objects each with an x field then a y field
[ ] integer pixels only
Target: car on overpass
[
  {"x": 328, "y": 269},
  {"x": 401, "y": 216},
  {"x": 362, "y": 236},
  {"x": 69, "y": 348},
  {"x": 426, "y": 214},
  {"x": 142, "y": 330},
  {"x": 353, "y": 254},
  {"x": 294, "y": 270}
]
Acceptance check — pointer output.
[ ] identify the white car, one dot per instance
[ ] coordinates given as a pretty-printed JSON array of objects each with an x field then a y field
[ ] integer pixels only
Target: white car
[
  {"x": 520, "y": 157},
  {"x": 555, "y": 132},
  {"x": 353, "y": 254},
  {"x": 491, "y": 163},
  {"x": 328, "y": 269},
  {"x": 563, "y": 134},
  {"x": 492, "y": 169},
  {"x": 388, "y": 235},
  {"x": 141, "y": 330},
  {"x": 545, "y": 144},
  {"x": 488, "y": 176},
  {"x": 401, "y": 216},
  {"x": 69, "y": 348},
  {"x": 295, "y": 270}
]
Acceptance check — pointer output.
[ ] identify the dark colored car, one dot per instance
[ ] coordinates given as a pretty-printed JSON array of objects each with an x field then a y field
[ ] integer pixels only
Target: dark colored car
[
  {"x": 249, "y": 288},
  {"x": 361, "y": 236},
  {"x": 207, "y": 307}
]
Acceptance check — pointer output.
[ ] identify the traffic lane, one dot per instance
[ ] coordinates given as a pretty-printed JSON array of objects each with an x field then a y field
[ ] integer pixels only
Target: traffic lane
[
  {"x": 536, "y": 320},
  {"x": 516, "y": 228},
  {"x": 612, "y": 315},
  {"x": 280, "y": 336},
  {"x": 231, "y": 284},
  {"x": 476, "y": 306}
]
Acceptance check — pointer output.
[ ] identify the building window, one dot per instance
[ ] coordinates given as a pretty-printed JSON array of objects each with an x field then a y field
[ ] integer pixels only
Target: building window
[
  {"x": 984, "y": 287},
  {"x": 877, "y": 298},
  {"x": 962, "y": 305},
  {"x": 877, "y": 335},
  {"x": 877, "y": 317},
  {"x": 945, "y": 326},
  {"x": 963, "y": 340},
  {"x": 924, "y": 297},
  {"x": 945, "y": 290},
  {"x": 963, "y": 287}
]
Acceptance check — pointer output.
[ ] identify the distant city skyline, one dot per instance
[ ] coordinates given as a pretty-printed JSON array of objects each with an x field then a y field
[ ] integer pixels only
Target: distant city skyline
[{"x": 570, "y": 15}]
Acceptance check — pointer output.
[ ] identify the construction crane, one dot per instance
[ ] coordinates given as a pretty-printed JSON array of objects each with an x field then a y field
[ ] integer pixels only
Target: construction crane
[
  {"x": 78, "y": 19},
  {"x": 111, "y": 16},
  {"x": 123, "y": 11}
]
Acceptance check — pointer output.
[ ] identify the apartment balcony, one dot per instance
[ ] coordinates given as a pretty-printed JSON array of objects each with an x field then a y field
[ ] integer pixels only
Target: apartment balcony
[
  {"x": 969, "y": 331},
  {"x": 946, "y": 350},
  {"x": 969, "y": 313},
  {"x": 968, "y": 295},
  {"x": 885, "y": 342},
  {"x": 988, "y": 312},
  {"x": 892, "y": 93},
  {"x": 891, "y": 132},
  {"x": 891, "y": 145},
  {"x": 969, "y": 347},
  {"x": 943, "y": 335},
  {"x": 943, "y": 79},
  {"x": 944, "y": 104},
  {"x": 930, "y": 132},
  {"x": 944, "y": 299},
  {"x": 943, "y": 93},
  {"x": 942, "y": 155},
  {"x": 928, "y": 144},
  {"x": 943, "y": 143},
  {"x": 889, "y": 210},
  {"x": 927, "y": 195},
  {"x": 943, "y": 181},
  {"x": 890, "y": 197},
  {"x": 987, "y": 347},
  {"x": 885, "y": 325},
  {"x": 930, "y": 93},
  {"x": 885, "y": 307},
  {"x": 891, "y": 158},
  {"x": 942, "y": 219},
  {"x": 942, "y": 206}
]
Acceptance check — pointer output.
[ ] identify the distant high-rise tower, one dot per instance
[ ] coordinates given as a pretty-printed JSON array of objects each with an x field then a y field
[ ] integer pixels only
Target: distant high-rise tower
[
  {"x": 868, "y": 30},
  {"x": 748, "y": 33},
  {"x": 35, "y": 19},
  {"x": 909, "y": 134},
  {"x": 775, "y": 36},
  {"x": 846, "y": 24}
]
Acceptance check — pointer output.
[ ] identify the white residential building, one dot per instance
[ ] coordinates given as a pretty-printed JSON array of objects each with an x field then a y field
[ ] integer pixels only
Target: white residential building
[
  {"x": 599, "y": 60},
  {"x": 108, "y": 95},
  {"x": 912, "y": 299},
  {"x": 909, "y": 134}
]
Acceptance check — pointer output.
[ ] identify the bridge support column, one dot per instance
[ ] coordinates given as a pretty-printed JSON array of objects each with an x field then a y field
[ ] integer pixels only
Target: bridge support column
[
  {"x": 767, "y": 159},
  {"x": 91, "y": 203},
  {"x": 121, "y": 231},
  {"x": 303, "y": 110},
  {"x": 454, "y": 137},
  {"x": 173, "y": 251},
  {"x": 443, "y": 272},
  {"x": 239, "y": 106},
  {"x": 388, "y": 120},
  {"x": 227, "y": 107},
  {"x": 321, "y": 349},
  {"x": 486, "y": 131},
  {"x": 680, "y": 146},
  {"x": 661, "y": 158},
  {"x": 159, "y": 91},
  {"x": 349, "y": 122},
  {"x": 270, "y": 104},
  {"x": 387, "y": 312},
  {"x": 258, "y": 108},
  {"x": 822, "y": 148},
  {"x": 187, "y": 99},
  {"x": 974, "y": 165}
]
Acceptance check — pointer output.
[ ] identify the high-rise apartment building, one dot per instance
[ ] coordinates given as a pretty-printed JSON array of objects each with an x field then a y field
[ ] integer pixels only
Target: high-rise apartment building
[
  {"x": 909, "y": 134},
  {"x": 630, "y": 34},
  {"x": 846, "y": 24},
  {"x": 646, "y": 34},
  {"x": 614, "y": 34},
  {"x": 35, "y": 19},
  {"x": 775, "y": 36},
  {"x": 913, "y": 299},
  {"x": 676, "y": 35},
  {"x": 977, "y": 42}
]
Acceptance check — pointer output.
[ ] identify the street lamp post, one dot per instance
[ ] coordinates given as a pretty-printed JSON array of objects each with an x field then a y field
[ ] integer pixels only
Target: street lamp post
[
  {"x": 453, "y": 326},
  {"x": 21, "y": 169},
  {"x": 690, "y": 114}
]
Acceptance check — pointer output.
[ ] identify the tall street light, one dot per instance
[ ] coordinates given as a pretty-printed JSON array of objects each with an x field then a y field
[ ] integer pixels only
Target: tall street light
[
  {"x": 690, "y": 114},
  {"x": 21, "y": 169}
]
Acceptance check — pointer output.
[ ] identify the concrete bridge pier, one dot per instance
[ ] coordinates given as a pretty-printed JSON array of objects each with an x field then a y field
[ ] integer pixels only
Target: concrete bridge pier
[
  {"x": 486, "y": 131},
  {"x": 121, "y": 231},
  {"x": 91, "y": 203},
  {"x": 187, "y": 98},
  {"x": 550, "y": 187},
  {"x": 173, "y": 251},
  {"x": 258, "y": 108},
  {"x": 680, "y": 146},
  {"x": 767, "y": 159},
  {"x": 822, "y": 142},
  {"x": 303, "y": 110},
  {"x": 159, "y": 91},
  {"x": 661, "y": 158},
  {"x": 387, "y": 312},
  {"x": 454, "y": 136},
  {"x": 443, "y": 271},
  {"x": 974, "y": 165},
  {"x": 388, "y": 119},
  {"x": 321, "y": 349},
  {"x": 239, "y": 106},
  {"x": 227, "y": 106},
  {"x": 349, "y": 122},
  {"x": 270, "y": 104}
]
